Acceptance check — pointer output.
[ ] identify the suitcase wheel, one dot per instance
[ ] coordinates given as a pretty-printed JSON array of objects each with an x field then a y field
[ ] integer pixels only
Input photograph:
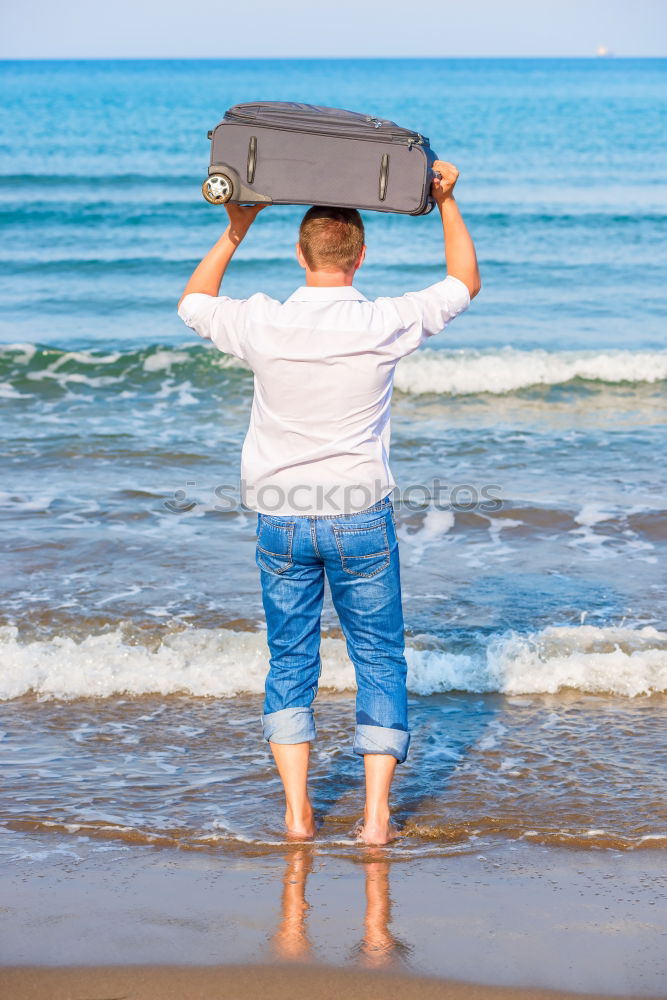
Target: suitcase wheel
[{"x": 217, "y": 189}]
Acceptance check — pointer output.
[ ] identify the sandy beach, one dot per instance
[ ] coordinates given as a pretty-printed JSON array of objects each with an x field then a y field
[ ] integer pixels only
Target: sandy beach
[{"x": 141, "y": 922}]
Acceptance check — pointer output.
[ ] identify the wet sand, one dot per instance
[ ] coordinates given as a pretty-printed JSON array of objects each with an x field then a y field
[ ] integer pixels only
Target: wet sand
[
  {"x": 249, "y": 983},
  {"x": 140, "y": 922}
]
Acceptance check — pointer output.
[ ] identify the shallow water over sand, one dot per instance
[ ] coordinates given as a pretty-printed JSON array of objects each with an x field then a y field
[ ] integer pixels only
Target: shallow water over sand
[{"x": 579, "y": 770}]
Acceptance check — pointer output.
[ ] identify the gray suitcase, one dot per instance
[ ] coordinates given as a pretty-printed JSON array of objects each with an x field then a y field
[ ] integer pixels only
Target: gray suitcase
[{"x": 302, "y": 154}]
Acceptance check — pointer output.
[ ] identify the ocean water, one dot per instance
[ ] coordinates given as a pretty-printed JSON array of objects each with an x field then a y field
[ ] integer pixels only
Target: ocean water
[{"x": 132, "y": 654}]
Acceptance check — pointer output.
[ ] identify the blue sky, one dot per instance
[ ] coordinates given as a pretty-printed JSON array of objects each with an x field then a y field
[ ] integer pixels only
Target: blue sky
[{"x": 264, "y": 28}]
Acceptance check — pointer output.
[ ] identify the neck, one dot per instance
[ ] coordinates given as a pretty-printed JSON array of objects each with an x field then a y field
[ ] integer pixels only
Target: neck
[{"x": 329, "y": 279}]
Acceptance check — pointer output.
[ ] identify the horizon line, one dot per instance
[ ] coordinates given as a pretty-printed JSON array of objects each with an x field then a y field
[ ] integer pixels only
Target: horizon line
[{"x": 611, "y": 57}]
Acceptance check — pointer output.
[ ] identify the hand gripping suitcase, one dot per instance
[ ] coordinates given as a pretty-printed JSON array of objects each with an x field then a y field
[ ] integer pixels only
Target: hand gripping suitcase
[{"x": 301, "y": 154}]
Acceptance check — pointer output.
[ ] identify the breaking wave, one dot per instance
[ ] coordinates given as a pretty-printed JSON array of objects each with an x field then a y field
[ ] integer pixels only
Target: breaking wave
[
  {"x": 221, "y": 663},
  {"x": 507, "y": 370},
  {"x": 29, "y": 369}
]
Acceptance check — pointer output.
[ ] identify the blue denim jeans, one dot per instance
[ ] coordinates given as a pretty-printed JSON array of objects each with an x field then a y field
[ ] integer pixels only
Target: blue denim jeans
[{"x": 359, "y": 555}]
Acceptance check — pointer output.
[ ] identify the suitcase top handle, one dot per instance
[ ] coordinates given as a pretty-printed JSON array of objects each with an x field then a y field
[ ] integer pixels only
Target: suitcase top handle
[{"x": 313, "y": 118}]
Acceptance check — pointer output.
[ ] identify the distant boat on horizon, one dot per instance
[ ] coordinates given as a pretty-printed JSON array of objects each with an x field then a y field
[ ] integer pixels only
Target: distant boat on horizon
[{"x": 603, "y": 52}]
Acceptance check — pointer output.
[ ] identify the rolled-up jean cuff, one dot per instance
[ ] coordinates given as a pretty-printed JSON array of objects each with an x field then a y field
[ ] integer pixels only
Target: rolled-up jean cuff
[
  {"x": 289, "y": 725},
  {"x": 381, "y": 739}
]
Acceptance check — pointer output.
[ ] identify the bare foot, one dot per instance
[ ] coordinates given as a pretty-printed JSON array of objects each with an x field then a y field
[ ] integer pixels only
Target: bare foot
[
  {"x": 301, "y": 826},
  {"x": 377, "y": 831}
]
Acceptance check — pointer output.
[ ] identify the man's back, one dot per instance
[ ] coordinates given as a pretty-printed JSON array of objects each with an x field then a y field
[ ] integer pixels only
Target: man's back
[{"x": 324, "y": 360}]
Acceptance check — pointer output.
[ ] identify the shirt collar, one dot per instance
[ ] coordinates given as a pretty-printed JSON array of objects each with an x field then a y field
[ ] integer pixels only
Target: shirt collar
[{"x": 336, "y": 293}]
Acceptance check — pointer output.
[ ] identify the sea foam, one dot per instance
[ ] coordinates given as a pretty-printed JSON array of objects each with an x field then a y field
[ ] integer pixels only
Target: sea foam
[
  {"x": 506, "y": 370},
  {"x": 222, "y": 663}
]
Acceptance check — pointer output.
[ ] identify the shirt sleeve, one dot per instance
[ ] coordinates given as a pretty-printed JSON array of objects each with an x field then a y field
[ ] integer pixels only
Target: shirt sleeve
[
  {"x": 216, "y": 318},
  {"x": 416, "y": 316}
]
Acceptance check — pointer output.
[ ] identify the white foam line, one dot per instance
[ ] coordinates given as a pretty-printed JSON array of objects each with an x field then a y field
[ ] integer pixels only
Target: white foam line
[
  {"x": 222, "y": 663},
  {"x": 508, "y": 369}
]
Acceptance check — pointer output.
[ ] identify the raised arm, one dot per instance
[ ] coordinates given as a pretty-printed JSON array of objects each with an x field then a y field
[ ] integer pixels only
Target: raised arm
[
  {"x": 459, "y": 248},
  {"x": 207, "y": 276}
]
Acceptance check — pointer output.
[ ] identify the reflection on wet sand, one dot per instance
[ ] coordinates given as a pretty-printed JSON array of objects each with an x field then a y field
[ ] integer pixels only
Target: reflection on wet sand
[
  {"x": 291, "y": 938},
  {"x": 378, "y": 948}
]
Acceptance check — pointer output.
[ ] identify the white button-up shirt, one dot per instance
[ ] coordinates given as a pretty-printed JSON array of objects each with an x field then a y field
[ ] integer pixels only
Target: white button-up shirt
[{"x": 323, "y": 361}]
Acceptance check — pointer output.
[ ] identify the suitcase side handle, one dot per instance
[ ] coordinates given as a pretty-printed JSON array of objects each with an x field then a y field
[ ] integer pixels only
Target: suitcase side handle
[
  {"x": 384, "y": 176},
  {"x": 252, "y": 159}
]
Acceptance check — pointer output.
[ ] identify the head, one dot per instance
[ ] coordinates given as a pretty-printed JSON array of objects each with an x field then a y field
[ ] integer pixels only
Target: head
[{"x": 331, "y": 245}]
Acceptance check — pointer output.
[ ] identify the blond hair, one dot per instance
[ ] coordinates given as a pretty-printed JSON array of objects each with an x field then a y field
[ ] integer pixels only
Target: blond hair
[{"x": 331, "y": 239}]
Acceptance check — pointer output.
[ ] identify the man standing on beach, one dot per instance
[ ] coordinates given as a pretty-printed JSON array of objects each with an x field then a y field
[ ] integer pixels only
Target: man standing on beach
[{"x": 315, "y": 468}]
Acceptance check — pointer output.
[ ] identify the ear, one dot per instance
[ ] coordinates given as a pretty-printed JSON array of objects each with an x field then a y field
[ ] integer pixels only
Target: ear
[
  {"x": 299, "y": 256},
  {"x": 361, "y": 258}
]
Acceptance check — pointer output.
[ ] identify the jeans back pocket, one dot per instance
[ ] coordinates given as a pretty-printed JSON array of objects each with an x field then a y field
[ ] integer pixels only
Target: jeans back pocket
[
  {"x": 364, "y": 551},
  {"x": 274, "y": 544}
]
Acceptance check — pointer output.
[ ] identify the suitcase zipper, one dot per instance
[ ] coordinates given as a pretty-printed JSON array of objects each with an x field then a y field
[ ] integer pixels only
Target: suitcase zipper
[{"x": 410, "y": 139}]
